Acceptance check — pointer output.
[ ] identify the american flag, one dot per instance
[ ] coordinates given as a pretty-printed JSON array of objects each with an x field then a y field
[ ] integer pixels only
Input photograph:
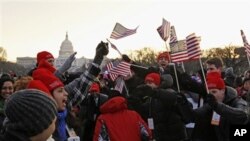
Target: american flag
[
  {"x": 193, "y": 46},
  {"x": 120, "y": 31},
  {"x": 179, "y": 56},
  {"x": 173, "y": 36},
  {"x": 119, "y": 84},
  {"x": 164, "y": 29},
  {"x": 117, "y": 68},
  {"x": 109, "y": 67},
  {"x": 245, "y": 42},
  {"x": 112, "y": 45},
  {"x": 178, "y": 51}
]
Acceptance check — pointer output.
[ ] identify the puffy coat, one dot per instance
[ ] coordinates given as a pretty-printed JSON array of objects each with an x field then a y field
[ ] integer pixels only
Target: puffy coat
[{"x": 117, "y": 123}]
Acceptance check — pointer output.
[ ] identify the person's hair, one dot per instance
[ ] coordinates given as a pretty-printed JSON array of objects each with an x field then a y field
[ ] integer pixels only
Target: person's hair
[
  {"x": 5, "y": 79},
  {"x": 22, "y": 83},
  {"x": 215, "y": 61}
]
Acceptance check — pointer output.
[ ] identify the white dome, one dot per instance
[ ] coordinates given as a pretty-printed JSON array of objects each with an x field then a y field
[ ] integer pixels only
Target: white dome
[{"x": 66, "y": 48}]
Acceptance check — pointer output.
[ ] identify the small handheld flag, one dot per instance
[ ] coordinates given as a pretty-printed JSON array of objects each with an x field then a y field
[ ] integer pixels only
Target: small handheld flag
[{"x": 120, "y": 31}]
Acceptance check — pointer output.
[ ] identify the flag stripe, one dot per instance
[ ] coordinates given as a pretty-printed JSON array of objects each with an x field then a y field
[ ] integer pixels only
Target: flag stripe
[
  {"x": 119, "y": 84},
  {"x": 117, "y": 68},
  {"x": 110, "y": 66},
  {"x": 245, "y": 42},
  {"x": 164, "y": 30},
  {"x": 179, "y": 56},
  {"x": 193, "y": 46},
  {"x": 173, "y": 36},
  {"x": 120, "y": 31}
]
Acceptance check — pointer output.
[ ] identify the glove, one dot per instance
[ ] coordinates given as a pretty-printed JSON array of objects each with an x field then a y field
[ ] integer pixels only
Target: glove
[
  {"x": 211, "y": 100},
  {"x": 145, "y": 90},
  {"x": 101, "y": 50},
  {"x": 126, "y": 58},
  {"x": 67, "y": 64}
]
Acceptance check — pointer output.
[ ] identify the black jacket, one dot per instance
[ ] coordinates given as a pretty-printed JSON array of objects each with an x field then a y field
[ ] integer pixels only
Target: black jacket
[
  {"x": 233, "y": 110},
  {"x": 162, "y": 107}
]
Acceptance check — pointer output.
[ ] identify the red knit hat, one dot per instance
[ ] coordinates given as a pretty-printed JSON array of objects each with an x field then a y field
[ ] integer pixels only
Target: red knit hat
[
  {"x": 43, "y": 55},
  {"x": 163, "y": 55},
  {"x": 37, "y": 84},
  {"x": 214, "y": 81},
  {"x": 153, "y": 77},
  {"x": 48, "y": 79},
  {"x": 94, "y": 88}
]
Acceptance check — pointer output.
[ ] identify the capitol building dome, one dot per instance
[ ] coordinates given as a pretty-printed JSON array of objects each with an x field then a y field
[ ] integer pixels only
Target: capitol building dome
[{"x": 66, "y": 48}]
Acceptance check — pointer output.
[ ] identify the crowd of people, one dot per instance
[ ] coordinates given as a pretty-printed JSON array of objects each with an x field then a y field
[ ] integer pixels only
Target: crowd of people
[{"x": 158, "y": 103}]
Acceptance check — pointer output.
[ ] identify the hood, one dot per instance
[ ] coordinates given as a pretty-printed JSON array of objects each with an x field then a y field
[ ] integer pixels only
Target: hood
[
  {"x": 46, "y": 65},
  {"x": 113, "y": 105},
  {"x": 231, "y": 94},
  {"x": 229, "y": 72}
]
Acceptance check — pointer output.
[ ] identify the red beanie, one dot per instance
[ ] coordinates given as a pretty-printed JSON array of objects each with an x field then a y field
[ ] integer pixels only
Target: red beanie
[
  {"x": 163, "y": 55},
  {"x": 214, "y": 81},
  {"x": 153, "y": 77},
  {"x": 94, "y": 88},
  {"x": 43, "y": 55},
  {"x": 37, "y": 84},
  {"x": 48, "y": 79}
]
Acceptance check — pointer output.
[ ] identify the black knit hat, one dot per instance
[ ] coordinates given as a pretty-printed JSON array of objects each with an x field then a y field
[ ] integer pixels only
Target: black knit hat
[{"x": 29, "y": 111}]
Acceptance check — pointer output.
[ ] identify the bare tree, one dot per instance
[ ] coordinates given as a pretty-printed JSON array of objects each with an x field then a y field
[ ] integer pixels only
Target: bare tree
[
  {"x": 145, "y": 56},
  {"x": 232, "y": 56},
  {"x": 3, "y": 54}
]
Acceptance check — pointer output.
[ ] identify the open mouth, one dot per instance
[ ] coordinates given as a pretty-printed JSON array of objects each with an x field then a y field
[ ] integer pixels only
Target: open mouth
[
  {"x": 64, "y": 102},
  {"x": 164, "y": 65}
]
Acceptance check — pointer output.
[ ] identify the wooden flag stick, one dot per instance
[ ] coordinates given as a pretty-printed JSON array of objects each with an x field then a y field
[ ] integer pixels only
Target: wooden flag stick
[
  {"x": 116, "y": 47},
  {"x": 176, "y": 77},
  {"x": 138, "y": 66},
  {"x": 248, "y": 60},
  {"x": 183, "y": 67},
  {"x": 204, "y": 78}
]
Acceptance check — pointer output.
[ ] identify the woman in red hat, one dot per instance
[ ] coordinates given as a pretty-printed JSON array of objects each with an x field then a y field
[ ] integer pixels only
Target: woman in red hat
[{"x": 71, "y": 94}]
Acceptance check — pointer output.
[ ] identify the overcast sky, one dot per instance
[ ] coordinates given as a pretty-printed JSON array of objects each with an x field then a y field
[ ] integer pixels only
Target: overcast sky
[{"x": 30, "y": 26}]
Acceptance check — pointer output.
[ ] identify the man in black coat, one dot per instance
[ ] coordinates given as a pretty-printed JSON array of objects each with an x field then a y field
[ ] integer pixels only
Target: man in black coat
[
  {"x": 222, "y": 108},
  {"x": 159, "y": 108}
]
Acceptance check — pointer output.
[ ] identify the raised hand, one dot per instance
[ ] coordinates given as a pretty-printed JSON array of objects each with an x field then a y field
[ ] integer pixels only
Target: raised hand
[{"x": 67, "y": 64}]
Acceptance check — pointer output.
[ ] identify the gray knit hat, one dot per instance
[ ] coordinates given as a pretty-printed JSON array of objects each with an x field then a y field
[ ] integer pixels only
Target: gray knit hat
[{"x": 29, "y": 111}]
